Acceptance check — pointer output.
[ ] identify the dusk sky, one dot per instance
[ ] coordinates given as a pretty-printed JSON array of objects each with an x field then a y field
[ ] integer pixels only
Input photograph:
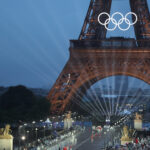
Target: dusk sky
[{"x": 35, "y": 34}]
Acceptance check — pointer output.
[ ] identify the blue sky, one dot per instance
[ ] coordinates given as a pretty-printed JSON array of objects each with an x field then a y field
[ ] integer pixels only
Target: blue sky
[{"x": 35, "y": 34}]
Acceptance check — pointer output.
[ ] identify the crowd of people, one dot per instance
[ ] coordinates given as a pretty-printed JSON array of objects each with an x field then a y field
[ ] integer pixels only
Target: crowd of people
[{"x": 140, "y": 143}]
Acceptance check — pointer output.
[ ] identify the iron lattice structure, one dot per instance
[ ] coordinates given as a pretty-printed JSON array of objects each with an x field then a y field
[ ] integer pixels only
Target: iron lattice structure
[{"x": 94, "y": 57}]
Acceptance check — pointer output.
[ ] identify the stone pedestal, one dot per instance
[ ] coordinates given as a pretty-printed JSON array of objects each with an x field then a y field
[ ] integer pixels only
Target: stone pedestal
[
  {"x": 125, "y": 142},
  {"x": 6, "y": 144},
  {"x": 68, "y": 121},
  {"x": 137, "y": 124}
]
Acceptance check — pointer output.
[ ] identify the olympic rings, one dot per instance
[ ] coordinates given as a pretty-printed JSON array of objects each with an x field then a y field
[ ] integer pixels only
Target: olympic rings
[{"x": 119, "y": 22}]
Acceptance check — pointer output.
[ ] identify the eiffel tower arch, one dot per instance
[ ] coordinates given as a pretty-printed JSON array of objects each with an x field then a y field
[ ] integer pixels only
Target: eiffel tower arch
[{"x": 94, "y": 57}]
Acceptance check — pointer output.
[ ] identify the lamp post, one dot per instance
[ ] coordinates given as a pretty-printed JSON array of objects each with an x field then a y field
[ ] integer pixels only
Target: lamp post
[
  {"x": 28, "y": 135},
  {"x": 19, "y": 133},
  {"x": 33, "y": 126},
  {"x": 44, "y": 131},
  {"x": 36, "y": 129},
  {"x": 23, "y": 138},
  {"x": 104, "y": 140}
]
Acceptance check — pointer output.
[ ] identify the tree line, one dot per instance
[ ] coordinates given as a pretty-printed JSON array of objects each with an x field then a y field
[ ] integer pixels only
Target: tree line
[{"x": 20, "y": 104}]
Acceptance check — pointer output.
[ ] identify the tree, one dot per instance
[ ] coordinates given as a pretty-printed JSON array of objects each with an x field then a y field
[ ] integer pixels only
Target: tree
[{"x": 19, "y": 103}]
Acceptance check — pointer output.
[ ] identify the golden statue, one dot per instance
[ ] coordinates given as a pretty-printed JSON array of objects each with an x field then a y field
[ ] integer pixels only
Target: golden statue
[
  {"x": 125, "y": 136},
  {"x": 69, "y": 115},
  {"x": 138, "y": 116},
  {"x": 5, "y": 132}
]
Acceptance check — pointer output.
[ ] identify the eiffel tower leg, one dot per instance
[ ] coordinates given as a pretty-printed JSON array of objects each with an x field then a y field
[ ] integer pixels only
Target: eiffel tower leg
[
  {"x": 76, "y": 77},
  {"x": 142, "y": 27},
  {"x": 91, "y": 28},
  {"x": 62, "y": 90}
]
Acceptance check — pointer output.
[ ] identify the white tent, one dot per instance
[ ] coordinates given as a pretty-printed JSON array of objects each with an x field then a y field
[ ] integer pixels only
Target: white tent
[{"x": 48, "y": 121}]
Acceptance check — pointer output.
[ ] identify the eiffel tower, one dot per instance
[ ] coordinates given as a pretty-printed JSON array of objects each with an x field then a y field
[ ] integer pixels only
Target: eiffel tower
[{"x": 94, "y": 57}]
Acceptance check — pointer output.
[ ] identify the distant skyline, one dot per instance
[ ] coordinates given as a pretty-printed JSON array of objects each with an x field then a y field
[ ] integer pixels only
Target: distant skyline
[{"x": 34, "y": 38}]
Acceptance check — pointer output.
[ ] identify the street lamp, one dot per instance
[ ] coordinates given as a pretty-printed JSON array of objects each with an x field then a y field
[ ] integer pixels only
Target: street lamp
[
  {"x": 36, "y": 129},
  {"x": 104, "y": 140},
  {"x": 44, "y": 131},
  {"x": 28, "y": 134},
  {"x": 23, "y": 138}
]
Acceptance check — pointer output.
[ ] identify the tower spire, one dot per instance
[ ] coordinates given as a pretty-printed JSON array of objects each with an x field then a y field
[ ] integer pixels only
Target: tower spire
[{"x": 142, "y": 27}]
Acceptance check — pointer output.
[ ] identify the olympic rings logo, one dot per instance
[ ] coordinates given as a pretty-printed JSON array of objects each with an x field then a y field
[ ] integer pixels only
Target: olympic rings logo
[{"x": 119, "y": 22}]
